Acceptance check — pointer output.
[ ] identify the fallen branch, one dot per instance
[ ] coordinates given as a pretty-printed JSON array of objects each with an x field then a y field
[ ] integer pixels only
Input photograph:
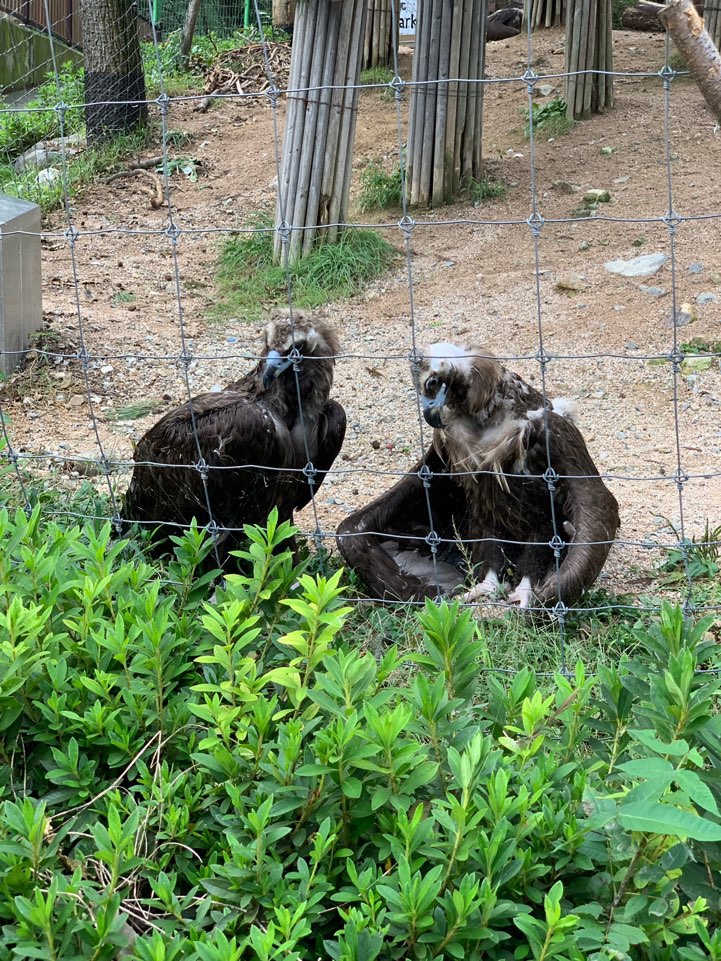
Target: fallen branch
[
  {"x": 153, "y": 189},
  {"x": 686, "y": 29}
]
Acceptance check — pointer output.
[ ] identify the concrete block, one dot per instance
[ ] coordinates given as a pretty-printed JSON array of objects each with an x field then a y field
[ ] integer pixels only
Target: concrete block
[{"x": 21, "y": 305}]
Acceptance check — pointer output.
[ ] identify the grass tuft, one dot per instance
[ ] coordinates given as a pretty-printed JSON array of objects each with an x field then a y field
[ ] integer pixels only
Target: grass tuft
[
  {"x": 549, "y": 119},
  {"x": 249, "y": 280},
  {"x": 486, "y": 189},
  {"x": 380, "y": 189}
]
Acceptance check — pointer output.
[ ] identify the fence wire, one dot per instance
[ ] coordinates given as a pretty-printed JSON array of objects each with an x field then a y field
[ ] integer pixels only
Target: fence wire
[{"x": 60, "y": 115}]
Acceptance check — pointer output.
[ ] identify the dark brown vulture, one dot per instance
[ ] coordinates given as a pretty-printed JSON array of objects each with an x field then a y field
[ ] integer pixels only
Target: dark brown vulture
[
  {"x": 504, "y": 24},
  {"x": 489, "y": 462},
  {"x": 248, "y": 440}
]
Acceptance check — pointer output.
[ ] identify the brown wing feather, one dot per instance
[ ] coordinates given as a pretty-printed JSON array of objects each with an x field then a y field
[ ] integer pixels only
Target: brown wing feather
[{"x": 583, "y": 501}]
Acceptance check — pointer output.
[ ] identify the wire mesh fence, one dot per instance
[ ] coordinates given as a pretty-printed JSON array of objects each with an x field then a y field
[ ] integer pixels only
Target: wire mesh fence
[{"x": 115, "y": 272}]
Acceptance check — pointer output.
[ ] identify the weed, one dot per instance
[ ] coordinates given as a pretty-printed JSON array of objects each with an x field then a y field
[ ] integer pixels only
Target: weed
[
  {"x": 486, "y": 189},
  {"x": 380, "y": 189},
  {"x": 249, "y": 280},
  {"x": 549, "y": 119},
  {"x": 376, "y": 75},
  {"x": 140, "y": 408},
  {"x": 702, "y": 556},
  {"x": 700, "y": 345}
]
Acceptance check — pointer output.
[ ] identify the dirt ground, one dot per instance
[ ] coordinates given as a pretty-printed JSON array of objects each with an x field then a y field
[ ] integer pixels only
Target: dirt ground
[{"x": 472, "y": 279}]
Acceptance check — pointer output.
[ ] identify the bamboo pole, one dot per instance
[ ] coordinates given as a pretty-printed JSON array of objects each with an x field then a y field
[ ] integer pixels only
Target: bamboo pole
[
  {"x": 475, "y": 73},
  {"x": 591, "y": 80},
  {"x": 293, "y": 129},
  {"x": 477, "y": 156},
  {"x": 423, "y": 193},
  {"x": 450, "y": 171},
  {"x": 339, "y": 198},
  {"x": 573, "y": 40},
  {"x": 464, "y": 70},
  {"x": 419, "y": 96},
  {"x": 298, "y": 201},
  {"x": 448, "y": 10}
]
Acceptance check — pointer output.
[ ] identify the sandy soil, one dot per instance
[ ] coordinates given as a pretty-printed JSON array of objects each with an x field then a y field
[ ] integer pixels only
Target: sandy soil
[{"x": 470, "y": 278}]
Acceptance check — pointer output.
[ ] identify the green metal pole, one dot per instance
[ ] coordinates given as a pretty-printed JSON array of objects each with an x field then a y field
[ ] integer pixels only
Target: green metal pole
[
  {"x": 157, "y": 12},
  {"x": 246, "y": 15}
]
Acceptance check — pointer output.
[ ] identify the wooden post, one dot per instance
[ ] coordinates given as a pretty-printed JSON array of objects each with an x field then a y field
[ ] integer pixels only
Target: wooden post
[
  {"x": 186, "y": 39},
  {"x": 696, "y": 46},
  {"x": 589, "y": 47},
  {"x": 446, "y": 108},
  {"x": 320, "y": 121},
  {"x": 379, "y": 35},
  {"x": 546, "y": 13}
]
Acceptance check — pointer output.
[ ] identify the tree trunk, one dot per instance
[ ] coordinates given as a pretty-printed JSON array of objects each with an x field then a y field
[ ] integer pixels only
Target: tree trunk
[
  {"x": 191, "y": 18},
  {"x": 381, "y": 30},
  {"x": 114, "y": 80},
  {"x": 284, "y": 14},
  {"x": 589, "y": 47},
  {"x": 320, "y": 122},
  {"x": 444, "y": 138},
  {"x": 696, "y": 46}
]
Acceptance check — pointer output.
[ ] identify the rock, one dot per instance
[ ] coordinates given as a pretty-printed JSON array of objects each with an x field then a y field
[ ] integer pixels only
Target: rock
[
  {"x": 570, "y": 282},
  {"x": 545, "y": 89},
  {"x": 608, "y": 150},
  {"x": 40, "y": 156},
  {"x": 376, "y": 444},
  {"x": 631, "y": 345},
  {"x": 652, "y": 291},
  {"x": 644, "y": 266},
  {"x": 77, "y": 400},
  {"x": 715, "y": 278},
  {"x": 584, "y": 245},
  {"x": 566, "y": 187},
  {"x": 706, "y": 298},
  {"x": 597, "y": 196},
  {"x": 695, "y": 268},
  {"x": 694, "y": 365},
  {"x": 639, "y": 242},
  {"x": 48, "y": 177},
  {"x": 622, "y": 180},
  {"x": 684, "y": 315}
]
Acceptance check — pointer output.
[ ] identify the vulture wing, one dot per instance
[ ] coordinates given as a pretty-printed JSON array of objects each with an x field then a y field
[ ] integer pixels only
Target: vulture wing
[
  {"x": 373, "y": 540},
  {"x": 329, "y": 440},
  {"x": 586, "y": 511},
  {"x": 232, "y": 432}
]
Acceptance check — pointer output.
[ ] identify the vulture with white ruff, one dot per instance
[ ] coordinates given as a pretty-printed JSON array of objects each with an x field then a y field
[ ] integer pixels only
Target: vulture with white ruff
[
  {"x": 251, "y": 440},
  {"x": 496, "y": 448}
]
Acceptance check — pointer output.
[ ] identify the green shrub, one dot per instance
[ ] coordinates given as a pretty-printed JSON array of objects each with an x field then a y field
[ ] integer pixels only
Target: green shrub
[
  {"x": 549, "y": 119},
  {"x": 38, "y": 120},
  {"x": 193, "y": 779}
]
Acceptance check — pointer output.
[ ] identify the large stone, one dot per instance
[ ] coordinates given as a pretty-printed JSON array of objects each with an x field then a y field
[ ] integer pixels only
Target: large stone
[
  {"x": 644, "y": 266},
  {"x": 21, "y": 311}
]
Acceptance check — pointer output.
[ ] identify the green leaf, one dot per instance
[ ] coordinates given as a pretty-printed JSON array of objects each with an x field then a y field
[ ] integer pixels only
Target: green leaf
[
  {"x": 648, "y": 738},
  {"x": 659, "y": 818},
  {"x": 351, "y": 787},
  {"x": 697, "y": 790},
  {"x": 647, "y": 767}
]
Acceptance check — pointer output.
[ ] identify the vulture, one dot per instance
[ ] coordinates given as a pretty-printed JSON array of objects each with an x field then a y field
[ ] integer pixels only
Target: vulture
[
  {"x": 231, "y": 456},
  {"x": 504, "y": 24},
  {"x": 513, "y": 494}
]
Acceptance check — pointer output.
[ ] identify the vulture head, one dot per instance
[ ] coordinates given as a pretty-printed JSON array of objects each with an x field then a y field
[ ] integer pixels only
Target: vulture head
[
  {"x": 303, "y": 344},
  {"x": 455, "y": 381}
]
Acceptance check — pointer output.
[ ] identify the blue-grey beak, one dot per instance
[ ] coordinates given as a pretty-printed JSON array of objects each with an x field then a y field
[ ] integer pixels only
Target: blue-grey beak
[
  {"x": 433, "y": 407},
  {"x": 275, "y": 364}
]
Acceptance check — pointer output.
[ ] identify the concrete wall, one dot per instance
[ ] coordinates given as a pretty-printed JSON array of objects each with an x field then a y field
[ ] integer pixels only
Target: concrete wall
[
  {"x": 25, "y": 55},
  {"x": 21, "y": 306}
]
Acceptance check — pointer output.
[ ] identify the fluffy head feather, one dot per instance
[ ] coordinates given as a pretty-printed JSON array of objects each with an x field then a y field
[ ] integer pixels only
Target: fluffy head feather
[{"x": 310, "y": 334}]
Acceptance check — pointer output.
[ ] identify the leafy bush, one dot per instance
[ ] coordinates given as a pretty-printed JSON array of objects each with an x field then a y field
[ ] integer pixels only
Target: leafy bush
[
  {"x": 38, "y": 120},
  {"x": 549, "y": 119},
  {"x": 205, "y": 780}
]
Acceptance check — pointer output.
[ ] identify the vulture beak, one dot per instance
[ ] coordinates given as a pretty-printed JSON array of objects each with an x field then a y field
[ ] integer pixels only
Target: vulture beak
[
  {"x": 433, "y": 407},
  {"x": 275, "y": 364}
]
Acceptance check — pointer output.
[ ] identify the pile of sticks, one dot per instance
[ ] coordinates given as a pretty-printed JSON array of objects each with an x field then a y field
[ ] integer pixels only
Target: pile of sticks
[{"x": 245, "y": 70}]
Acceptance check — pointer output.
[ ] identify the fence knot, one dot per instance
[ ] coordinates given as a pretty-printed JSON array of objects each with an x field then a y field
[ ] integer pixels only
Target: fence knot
[
  {"x": 433, "y": 540},
  {"x": 272, "y": 93},
  {"x": 535, "y": 222},
  {"x": 672, "y": 221},
  {"x": 676, "y": 357},
  {"x": 213, "y": 529},
  {"x": 310, "y": 473},
  {"x": 559, "y": 612},
  {"x": 530, "y": 78},
  {"x": 543, "y": 359},
  {"x": 163, "y": 102},
  {"x": 556, "y": 544},
  {"x": 680, "y": 478},
  {"x": 71, "y": 234},
  {"x": 283, "y": 230},
  {"x": 425, "y": 475},
  {"x": 551, "y": 478},
  {"x": 397, "y": 85},
  {"x": 83, "y": 355},
  {"x": 117, "y": 521},
  {"x": 406, "y": 224},
  {"x": 172, "y": 231},
  {"x": 202, "y": 468},
  {"x": 667, "y": 74},
  {"x": 184, "y": 359}
]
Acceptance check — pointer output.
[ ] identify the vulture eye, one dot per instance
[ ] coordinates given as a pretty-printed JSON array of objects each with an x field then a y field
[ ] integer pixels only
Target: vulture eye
[{"x": 431, "y": 385}]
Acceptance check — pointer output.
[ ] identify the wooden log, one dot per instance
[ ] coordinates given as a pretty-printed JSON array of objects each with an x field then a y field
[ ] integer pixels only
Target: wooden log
[
  {"x": 573, "y": 41},
  {"x": 638, "y": 18},
  {"x": 435, "y": 9},
  {"x": 590, "y": 87},
  {"x": 298, "y": 201},
  {"x": 469, "y": 166},
  {"x": 449, "y": 10},
  {"x": 686, "y": 29},
  {"x": 416, "y": 115}
]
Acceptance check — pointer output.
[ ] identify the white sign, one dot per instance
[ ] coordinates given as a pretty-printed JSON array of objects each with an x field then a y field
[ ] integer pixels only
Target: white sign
[{"x": 407, "y": 17}]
